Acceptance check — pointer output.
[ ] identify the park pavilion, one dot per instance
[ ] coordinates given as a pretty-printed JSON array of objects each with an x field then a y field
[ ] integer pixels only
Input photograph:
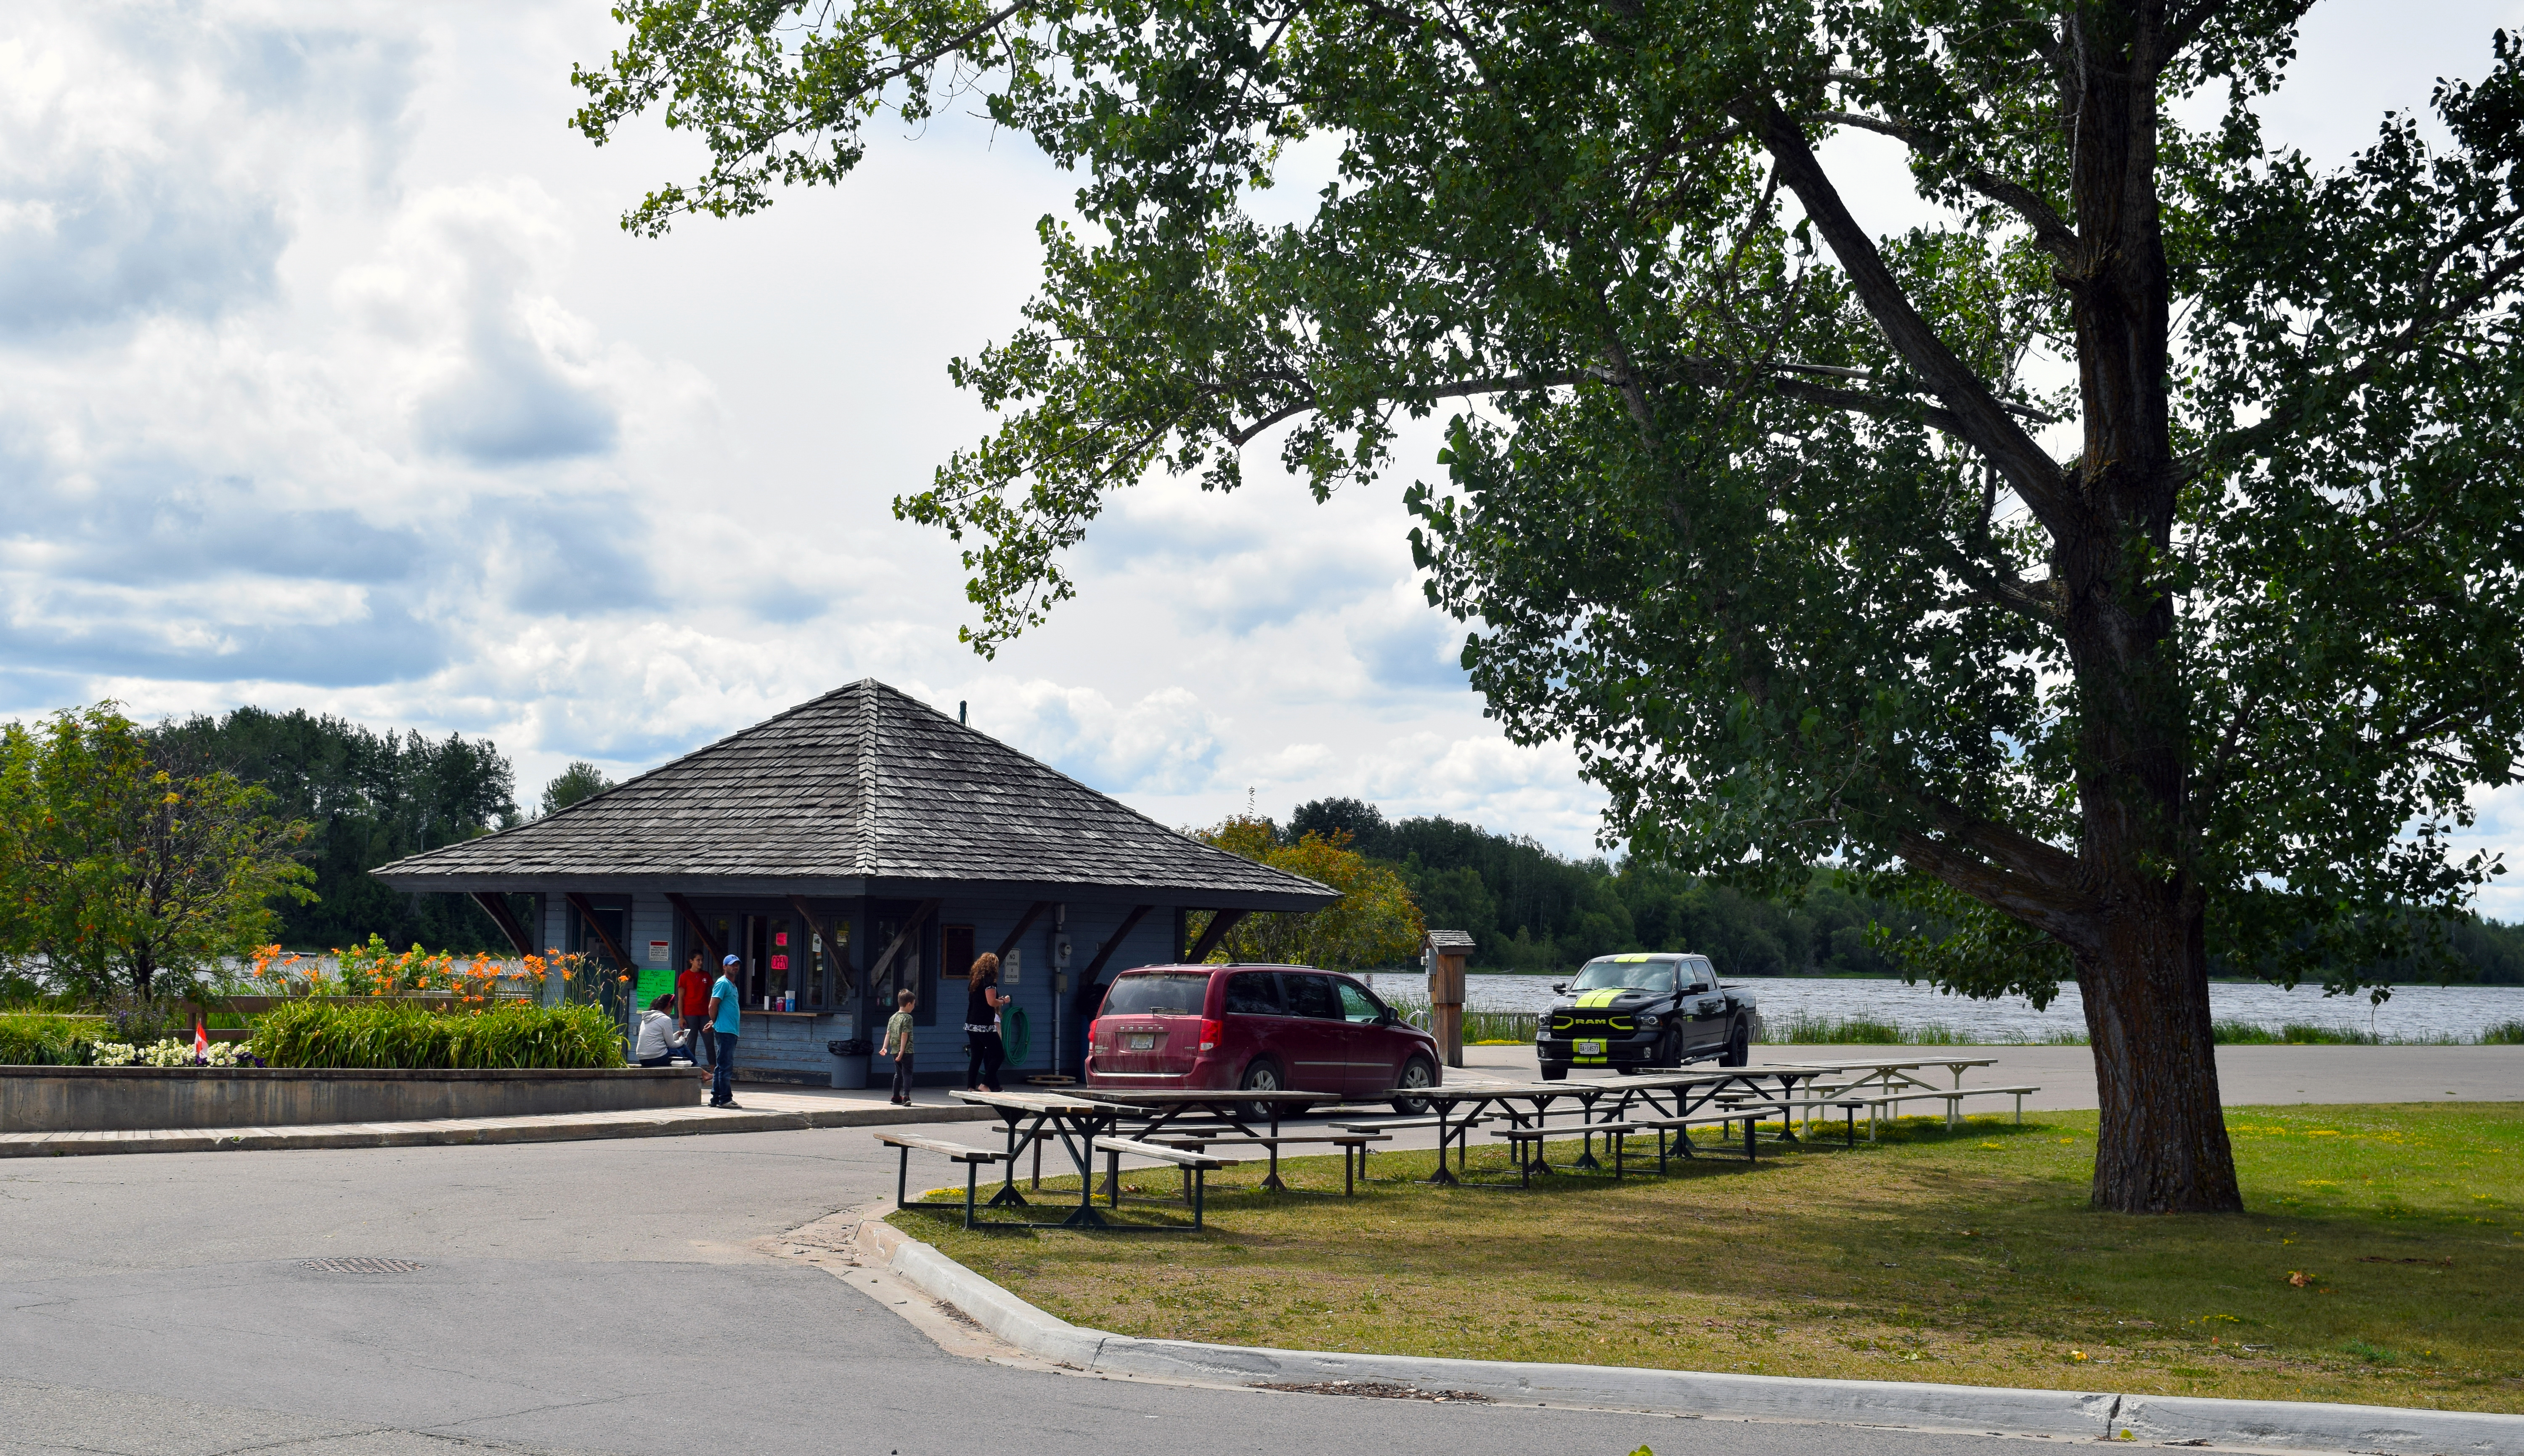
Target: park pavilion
[{"x": 855, "y": 844}]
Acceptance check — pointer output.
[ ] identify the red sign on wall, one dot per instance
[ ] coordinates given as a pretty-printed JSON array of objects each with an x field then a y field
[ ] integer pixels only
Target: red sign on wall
[{"x": 780, "y": 962}]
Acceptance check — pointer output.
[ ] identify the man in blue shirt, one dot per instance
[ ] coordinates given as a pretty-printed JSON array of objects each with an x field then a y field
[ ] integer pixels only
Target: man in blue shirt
[{"x": 725, "y": 1006}]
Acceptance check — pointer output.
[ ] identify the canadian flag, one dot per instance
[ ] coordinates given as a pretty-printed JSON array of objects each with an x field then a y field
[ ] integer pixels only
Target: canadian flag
[{"x": 201, "y": 1038}]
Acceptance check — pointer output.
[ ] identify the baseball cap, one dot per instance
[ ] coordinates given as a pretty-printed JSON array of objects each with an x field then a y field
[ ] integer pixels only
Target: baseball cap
[{"x": 727, "y": 960}]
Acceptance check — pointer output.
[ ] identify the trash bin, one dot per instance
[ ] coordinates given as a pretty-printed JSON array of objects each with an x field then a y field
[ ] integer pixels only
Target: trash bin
[{"x": 849, "y": 1063}]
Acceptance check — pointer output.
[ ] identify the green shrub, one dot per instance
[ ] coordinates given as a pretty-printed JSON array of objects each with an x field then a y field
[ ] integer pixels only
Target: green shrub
[
  {"x": 2507, "y": 1032},
  {"x": 39, "y": 1041},
  {"x": 397, "y": 1037}
]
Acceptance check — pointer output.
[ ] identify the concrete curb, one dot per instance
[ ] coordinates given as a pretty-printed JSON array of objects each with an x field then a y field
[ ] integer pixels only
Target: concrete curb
[
  {"x": 677, "y": 1123},
  {"x": 1979, "y": 1409}
]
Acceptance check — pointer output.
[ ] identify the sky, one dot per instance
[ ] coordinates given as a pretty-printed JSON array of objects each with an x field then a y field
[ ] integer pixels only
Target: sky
[{"x": 327, "y": 380}]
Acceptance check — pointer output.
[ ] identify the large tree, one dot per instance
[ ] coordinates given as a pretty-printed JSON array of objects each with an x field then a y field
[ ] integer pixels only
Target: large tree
[
  {"x": 119, "y": 870},
  {"x": 2128, "y": 558}
]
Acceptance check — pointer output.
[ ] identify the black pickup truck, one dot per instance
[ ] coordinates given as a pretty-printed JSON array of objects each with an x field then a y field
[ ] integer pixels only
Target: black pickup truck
[{"x": 1642, "y": 1011}]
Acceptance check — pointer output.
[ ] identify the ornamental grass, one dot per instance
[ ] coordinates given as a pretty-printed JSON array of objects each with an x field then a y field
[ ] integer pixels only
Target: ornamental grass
[
  {"x": 393, "y": 1036},
  {"x": 39, "y": 1041}
]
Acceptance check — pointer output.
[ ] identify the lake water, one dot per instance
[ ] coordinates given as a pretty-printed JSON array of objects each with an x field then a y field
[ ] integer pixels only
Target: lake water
[{"x": 2414, "y": 1012}]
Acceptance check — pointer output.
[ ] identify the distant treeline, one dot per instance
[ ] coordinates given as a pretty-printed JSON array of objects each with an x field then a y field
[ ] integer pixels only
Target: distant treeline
[
  {"x": 372, "y": 798},
  {"x": 1532, "y": 911}
]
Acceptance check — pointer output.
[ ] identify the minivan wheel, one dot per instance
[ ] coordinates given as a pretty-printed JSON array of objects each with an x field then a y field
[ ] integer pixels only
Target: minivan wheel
[
  {"x": 1415, "y": 1073},
  {"x": 1262, "y": 1076}
]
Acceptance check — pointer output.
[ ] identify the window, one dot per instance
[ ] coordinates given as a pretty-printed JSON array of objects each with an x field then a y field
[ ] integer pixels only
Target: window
[
  {"x": 1702, "y": 977},
  {"x": 1163, "y": 994},
  {"x": 1628, "y": 973},
  {"x": 1311, "y": 995},
  {"x": 957, "y": 951},
  {"x": 1253, "y": 994},
  {"x": 1357, "y": 1004}
]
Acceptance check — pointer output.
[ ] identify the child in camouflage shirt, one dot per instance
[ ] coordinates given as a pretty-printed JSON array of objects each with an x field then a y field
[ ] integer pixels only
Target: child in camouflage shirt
[{"x": 898, "y": 1044}]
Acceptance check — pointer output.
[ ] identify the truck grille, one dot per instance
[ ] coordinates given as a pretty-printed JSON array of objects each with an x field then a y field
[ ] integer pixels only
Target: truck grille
[{"x": 1590, "y": 1024}]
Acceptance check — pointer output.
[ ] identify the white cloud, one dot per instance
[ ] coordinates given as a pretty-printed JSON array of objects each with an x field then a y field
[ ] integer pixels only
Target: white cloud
[{"x": 327, "y": 380}]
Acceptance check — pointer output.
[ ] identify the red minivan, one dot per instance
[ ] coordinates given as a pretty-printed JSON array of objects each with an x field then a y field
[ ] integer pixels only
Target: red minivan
[{"x": 1259, "y": 1028}]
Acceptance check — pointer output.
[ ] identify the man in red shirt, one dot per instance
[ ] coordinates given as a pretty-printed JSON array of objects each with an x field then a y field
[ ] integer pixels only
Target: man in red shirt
[{"x": 692, "y": 1005}]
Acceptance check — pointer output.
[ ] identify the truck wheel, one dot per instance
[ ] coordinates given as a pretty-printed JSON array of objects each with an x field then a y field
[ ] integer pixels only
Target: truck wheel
[
  {"x": 1739, "y": 1047},
  {"x": 1262, "y": 1076},
  {"x": 1415, "y": 1073},
  {"x": 1669, "y": 1052}
]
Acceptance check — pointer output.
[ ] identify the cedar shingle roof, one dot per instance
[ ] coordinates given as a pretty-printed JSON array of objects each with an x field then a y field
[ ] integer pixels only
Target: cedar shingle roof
[{"x": 861, "y": 791}]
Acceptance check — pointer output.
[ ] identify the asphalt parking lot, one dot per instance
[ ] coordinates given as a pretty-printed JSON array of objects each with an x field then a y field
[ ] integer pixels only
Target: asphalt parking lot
[{"x": 616, "y": 1297}]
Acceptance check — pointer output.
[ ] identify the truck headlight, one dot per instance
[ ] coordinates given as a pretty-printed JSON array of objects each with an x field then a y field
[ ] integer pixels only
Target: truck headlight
[{"x": 1647, "y": 1023}]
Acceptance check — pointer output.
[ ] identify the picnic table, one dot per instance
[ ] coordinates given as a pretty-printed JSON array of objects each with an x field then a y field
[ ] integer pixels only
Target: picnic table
[
  {"x": 1159, "y": 1106},
  {"x": 1673, "y": 1095},
  {"x": 1892, "y": 1080},
  {"x": 1076, "y": 1121}
]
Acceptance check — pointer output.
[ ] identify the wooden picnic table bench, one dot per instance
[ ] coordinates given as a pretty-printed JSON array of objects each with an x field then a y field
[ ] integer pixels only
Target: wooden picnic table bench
[
  {"x": 1618, "y": 1134},
  {"x": 1353, "y": 1146},
  {"x": 1196, "y": 1164},
  {"x": 1873, "y": 1099},
  {"x": 973, "y": 1159}
]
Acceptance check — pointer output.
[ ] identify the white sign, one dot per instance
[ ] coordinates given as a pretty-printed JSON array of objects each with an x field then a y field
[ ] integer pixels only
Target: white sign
[
  {"x": 657, "y": 953},
  {"x": 1009, "y": 967}
]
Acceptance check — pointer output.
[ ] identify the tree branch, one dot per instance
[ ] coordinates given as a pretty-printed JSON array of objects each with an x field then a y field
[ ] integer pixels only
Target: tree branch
[
  {"x": 2280, "y": 425},
  {"x": 2050, "y": 230},
  {"x": 1981, "y": 421}
]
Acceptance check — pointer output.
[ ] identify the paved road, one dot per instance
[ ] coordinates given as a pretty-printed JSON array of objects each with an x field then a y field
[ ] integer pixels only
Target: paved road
[
  {"x": 607, "y": 1296},
  {"x": 596, "y": 1296}
]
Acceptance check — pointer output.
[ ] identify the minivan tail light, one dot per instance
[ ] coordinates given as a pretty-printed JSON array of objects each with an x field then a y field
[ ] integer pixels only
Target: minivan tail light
[{"x": 1212, "y": 1033}]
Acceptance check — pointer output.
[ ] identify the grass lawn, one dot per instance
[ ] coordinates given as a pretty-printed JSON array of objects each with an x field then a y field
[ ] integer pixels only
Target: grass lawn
[{"x": 2382, "y": 1262}]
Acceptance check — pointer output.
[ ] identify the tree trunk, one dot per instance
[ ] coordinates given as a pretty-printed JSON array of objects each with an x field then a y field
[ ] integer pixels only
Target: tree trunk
[
  {"x": 2142, "y": 962},
  {"x": 2161, "y": 1146}
]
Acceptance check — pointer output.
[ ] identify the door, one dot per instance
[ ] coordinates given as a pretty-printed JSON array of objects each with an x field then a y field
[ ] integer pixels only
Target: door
[
  {"x": 1707, "y": 1029},
  {"x": 1318, "y": 1035},
  {"x": 1374, "y": 1054},
  {"x": 1257, "y": 1020}
]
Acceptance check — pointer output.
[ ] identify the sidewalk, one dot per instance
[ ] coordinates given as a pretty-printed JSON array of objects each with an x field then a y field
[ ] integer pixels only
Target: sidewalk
[{"x": 761, "y": 1109}]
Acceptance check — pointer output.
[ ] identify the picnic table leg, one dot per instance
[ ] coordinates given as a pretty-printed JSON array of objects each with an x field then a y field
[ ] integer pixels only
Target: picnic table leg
[
  {"x": 1007, "y": 1196},
  {"x": 1443, "y": 1177},
  {"x": 1618, "y": 1141},
  {"x": 1749, "y": 1155},
  {"x": 1788, "y": 1093},
  {"x": 1037, "y": 1165},
  {"x": 972, "y": 1186},
  {"x": 2020, "y": 1109},
  {"x": 1852, "y": 1110},
  {"x": 902, "y": 1177},
  {"x": 1083, "y": 1154},
  {"x": 1349, "y": 1190},
  {"x": 1586, "y": 1150}
]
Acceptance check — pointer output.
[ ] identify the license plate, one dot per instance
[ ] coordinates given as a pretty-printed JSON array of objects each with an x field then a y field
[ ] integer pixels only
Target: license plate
[
  {"x": 1590, "y": 1048},
  {"x": 1141, "y": 1041}
]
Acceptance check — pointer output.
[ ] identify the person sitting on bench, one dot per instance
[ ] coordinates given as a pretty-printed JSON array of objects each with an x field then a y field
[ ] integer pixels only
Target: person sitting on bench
[{"x": 661, "y": 1041}]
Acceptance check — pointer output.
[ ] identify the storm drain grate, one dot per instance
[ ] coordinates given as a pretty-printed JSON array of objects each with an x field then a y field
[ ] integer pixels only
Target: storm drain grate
[{"x": 363, "y": 1266}]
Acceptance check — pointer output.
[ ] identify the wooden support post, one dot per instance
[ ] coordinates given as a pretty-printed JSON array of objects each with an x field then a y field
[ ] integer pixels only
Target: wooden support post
[
  {"x": 909, "y": 935},
  {"x": 1025, "y": 922},
  {"x": 587, "y": 912},
  {"x": 1112, "y": 942},
  {"x": 1445, "y": 952},
  {"x": 496, "y": 905},
  {"x": 1220, "y": 923},
  {"x": 819, "y": 926}
]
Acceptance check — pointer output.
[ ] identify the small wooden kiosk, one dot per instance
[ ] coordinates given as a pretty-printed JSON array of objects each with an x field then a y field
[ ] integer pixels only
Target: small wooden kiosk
[{"x": 1444, "y": 955}]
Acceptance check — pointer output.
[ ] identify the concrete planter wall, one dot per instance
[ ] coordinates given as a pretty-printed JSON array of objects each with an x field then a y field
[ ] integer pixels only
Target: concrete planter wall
[{"x": 80, "y": 1099}]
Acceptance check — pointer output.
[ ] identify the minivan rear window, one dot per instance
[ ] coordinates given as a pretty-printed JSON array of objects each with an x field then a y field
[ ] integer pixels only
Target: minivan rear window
[{"x": 1164, "y": 994}]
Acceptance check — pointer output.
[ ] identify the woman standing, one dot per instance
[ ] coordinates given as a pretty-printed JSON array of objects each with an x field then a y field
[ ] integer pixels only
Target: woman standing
[{"x": 984, "y": 1051}]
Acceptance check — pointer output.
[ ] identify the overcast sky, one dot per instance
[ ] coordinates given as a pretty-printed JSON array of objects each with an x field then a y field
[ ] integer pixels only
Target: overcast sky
[{"x": 327, "y": 380}]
